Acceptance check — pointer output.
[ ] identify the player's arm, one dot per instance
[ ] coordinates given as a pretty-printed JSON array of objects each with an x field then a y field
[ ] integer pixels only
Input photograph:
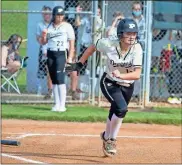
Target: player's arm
[
  {"x": 71, "y": 50},
  {"x": 79, "y": 65},
  {"x": 135, "y": 75},
  {"x": 71, "y": 40},
  {"x": 99, "y": 46},
  {"x": 89, "y": 52}
]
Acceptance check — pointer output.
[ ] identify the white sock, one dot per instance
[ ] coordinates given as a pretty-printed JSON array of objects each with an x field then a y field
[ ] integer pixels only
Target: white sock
[
  {"x": 115, "y": 126},
  {"x": 107, "y": 131},
  {"x": 62, "y": 95},
  {"x": 56, "y": 95}
]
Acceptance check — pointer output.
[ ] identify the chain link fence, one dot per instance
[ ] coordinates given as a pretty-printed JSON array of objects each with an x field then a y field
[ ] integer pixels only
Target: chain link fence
[
  {"x": 33, "y": 82},
  {"x": 166, "y": 66}
]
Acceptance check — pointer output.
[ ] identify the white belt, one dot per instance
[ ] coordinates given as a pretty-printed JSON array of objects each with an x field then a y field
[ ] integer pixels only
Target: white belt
[
  {"x": 123, "y": 84},
  {"x": 56, "y": 49}
]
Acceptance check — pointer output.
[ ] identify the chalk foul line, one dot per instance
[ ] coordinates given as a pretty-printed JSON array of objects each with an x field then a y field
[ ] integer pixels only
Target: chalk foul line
[
  {"x": 22, "y": 159},
  {"x": 96, "y": 136}
]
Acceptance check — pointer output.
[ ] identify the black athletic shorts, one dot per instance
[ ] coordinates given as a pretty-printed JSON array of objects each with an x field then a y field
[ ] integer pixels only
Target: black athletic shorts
[
  {"x": 119, "y": 96},
  {"x": 56, "y": 64}
]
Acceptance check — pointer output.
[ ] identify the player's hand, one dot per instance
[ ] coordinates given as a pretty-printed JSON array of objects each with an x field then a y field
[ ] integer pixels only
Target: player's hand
[
  {"x": 44, "y": 33},
  {"x": 73, "y": 67},
  {"x": 116, "y": 74}
]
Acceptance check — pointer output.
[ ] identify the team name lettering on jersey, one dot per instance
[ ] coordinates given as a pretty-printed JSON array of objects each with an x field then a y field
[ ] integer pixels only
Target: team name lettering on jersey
[
  {"x": 122, "y": 64},
  {"x": 53, "y": 35}
]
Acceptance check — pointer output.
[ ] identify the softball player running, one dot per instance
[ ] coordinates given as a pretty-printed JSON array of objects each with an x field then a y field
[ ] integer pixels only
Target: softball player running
[
  {"x": 124, "y": 65},
  {"x": 57, "y": 36}
]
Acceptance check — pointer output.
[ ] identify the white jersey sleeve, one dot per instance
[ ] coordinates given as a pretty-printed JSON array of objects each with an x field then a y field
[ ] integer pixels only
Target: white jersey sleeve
[
  {"x": 102, "y": 45},
  {"x": 70, "y": 32},
  {"x": 105, "y": 45},
  {"x": 137, "y": 62}
]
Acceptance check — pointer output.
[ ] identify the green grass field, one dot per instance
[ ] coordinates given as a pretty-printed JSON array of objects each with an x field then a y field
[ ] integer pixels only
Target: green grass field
[
  {"x": 89, "y": 114},
  {"x": 14, "y": 22}
]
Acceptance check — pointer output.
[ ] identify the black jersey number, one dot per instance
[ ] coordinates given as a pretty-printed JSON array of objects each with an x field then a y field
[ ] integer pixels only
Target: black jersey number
[
  {"x": 60, "y": 43},
  {"x": 128, "y": 71}
]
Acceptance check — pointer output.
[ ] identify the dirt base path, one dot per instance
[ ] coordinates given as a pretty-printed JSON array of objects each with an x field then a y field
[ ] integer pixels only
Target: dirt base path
[{"x": 62, "y": 142}]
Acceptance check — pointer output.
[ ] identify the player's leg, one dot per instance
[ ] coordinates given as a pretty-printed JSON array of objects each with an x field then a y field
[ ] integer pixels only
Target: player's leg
[
  {"x": 121, "y": 101},
  {"x": 112, "y": 93},
  {"x": 60, "y": 78},
  {"x": 52, "y": 73},
  {"x": 118, "y": 110}
]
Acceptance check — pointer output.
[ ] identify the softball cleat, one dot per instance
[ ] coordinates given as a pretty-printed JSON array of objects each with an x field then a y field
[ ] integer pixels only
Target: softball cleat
[{"x": 109, "y": 146}]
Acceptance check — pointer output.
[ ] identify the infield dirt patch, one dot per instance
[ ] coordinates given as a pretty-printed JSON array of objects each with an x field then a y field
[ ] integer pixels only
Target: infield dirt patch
[{"x": 66, "y": 142}]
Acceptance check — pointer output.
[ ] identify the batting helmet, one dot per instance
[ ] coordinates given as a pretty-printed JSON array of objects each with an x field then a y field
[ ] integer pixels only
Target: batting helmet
[
  {"x": 58, "y": 10},
  {"x": 126, "y": 25}
]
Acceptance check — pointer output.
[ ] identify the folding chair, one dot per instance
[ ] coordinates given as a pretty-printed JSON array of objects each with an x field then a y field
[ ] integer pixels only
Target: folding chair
[{"x": 11, "y": 79}]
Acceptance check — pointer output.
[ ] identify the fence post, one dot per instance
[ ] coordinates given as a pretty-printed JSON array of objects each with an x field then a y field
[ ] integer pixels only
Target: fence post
[
  {"x": 103, "y": 5},
  {"x": 148, "y": 57},
  {"x": 95, "y": 7}
]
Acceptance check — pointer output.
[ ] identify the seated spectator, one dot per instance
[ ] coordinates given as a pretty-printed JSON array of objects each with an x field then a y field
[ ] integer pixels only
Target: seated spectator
[
  {"x": 11, "y": 60},
  {"x": 112, "y": 30}
]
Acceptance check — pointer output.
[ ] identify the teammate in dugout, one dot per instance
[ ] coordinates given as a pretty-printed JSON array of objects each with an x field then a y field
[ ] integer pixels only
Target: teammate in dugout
[
  {"x": 124, "y": 65},
  {"x": 57, "y": 36}
]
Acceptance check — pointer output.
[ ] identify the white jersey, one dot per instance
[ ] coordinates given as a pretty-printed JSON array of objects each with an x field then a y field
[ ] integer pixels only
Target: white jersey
[
  {"x": 58, "y": 37},
  {"x": 115, "y": 61}
]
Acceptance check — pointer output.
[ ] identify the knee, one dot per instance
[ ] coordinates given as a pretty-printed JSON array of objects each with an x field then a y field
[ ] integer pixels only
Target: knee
[
  {"x": 121, "y": 113},
  {"x": 60, "y": 78}
]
